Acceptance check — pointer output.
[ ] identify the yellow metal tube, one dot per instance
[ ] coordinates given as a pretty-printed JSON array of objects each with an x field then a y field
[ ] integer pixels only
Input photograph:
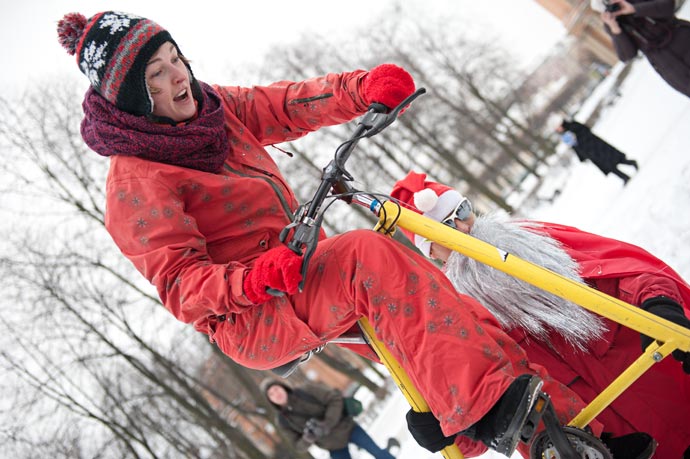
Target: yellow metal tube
[
  {"x": 579, "y": 293},
  {"x": 414, "y": 398},
  {"x": 654, "y": 353},
  {"x": 671, "y": 336}
]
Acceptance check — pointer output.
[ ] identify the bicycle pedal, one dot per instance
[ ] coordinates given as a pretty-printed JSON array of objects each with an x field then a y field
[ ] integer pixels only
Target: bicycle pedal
[{"x": 529, "y": 428}]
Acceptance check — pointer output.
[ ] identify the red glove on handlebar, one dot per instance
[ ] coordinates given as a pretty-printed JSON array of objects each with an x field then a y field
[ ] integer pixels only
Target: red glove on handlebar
[
  {"x": 387, "y": 84},
  {"x": 278, "y": 268}
]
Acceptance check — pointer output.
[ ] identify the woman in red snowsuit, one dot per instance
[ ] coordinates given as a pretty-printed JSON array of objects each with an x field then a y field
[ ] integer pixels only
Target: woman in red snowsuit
[
  {"x": 197, "y": 204},
  {"x": 658, "y": 403}
]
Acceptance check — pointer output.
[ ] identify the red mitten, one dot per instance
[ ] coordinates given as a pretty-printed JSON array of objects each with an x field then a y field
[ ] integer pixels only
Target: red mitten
[
  {"x": 387, "y": 84},
  {"x": 279, "y": 268}
]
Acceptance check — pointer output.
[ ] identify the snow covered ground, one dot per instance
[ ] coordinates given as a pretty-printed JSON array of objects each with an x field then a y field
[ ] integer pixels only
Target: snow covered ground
[{"x": 650, "y": 122}]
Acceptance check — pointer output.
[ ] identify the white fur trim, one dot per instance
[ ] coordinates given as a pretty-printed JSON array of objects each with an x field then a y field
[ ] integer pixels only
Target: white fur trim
[
  {"x": 444, "y": 205},
  {"x": 425, "y": 200}
]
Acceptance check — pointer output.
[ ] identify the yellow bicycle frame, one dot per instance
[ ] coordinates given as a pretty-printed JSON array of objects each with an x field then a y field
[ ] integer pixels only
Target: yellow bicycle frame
[{"x": 668, "y": 335}]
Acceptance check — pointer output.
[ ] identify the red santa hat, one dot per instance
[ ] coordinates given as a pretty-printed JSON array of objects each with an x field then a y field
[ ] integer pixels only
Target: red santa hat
[{"x": 431, "y": 199}]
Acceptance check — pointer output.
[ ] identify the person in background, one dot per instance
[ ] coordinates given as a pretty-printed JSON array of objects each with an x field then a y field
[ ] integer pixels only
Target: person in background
[
  {"x": 197, "y": 204},
  {"x": 577, "y": 347},
  {"x": 650, "y": 27},
  {"x": 588, "y": 145},
  {"x": 315, "y": 414}
]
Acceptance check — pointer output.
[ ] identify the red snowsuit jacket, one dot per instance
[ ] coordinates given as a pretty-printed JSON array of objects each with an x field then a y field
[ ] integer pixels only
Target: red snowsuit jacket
[
  {"x": 221, "y": 222},
  {"x": 659, "y": 402}
]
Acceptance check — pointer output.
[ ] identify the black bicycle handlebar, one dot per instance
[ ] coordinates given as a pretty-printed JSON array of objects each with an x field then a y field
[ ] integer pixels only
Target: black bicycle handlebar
[{"x": 308, "y": 219}]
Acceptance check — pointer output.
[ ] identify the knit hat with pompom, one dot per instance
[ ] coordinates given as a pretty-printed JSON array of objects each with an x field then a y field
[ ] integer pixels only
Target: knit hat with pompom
[
  {"x": 431, "y": 199},
  {"x": 112, "y": 50}
]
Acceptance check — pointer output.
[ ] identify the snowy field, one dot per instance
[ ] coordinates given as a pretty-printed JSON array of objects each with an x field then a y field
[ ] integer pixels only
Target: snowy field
[{"x": 649, "y": 122}]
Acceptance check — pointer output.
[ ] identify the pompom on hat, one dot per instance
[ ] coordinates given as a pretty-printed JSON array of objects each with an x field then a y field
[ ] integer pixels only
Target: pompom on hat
[
  {"x": 431, "y": 199},
  {"x": 112, "y": 49}
]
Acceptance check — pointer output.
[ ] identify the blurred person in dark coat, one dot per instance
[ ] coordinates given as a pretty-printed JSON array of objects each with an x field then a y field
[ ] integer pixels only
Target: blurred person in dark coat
[
  {"x": 651, "y": 27},
  {"x": 315, "y": 414},
  {"x": 587, "y": 145}
]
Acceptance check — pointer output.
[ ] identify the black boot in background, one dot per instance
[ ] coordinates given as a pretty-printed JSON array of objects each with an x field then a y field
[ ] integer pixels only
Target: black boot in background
[{"x": 638, "y": 445}]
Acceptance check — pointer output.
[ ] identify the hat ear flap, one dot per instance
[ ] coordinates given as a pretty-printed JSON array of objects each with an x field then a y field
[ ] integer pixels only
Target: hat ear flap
[{"x": 425, "y": 200}]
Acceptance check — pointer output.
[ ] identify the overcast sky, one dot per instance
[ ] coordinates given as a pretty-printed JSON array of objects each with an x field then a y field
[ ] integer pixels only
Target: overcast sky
[{"x": 215, "y": 33}]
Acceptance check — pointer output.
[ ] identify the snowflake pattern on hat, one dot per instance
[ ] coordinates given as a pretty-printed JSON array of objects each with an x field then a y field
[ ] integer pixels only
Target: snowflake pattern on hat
[
  {"x": 93, "y": 59},
  {"x": 117, "y": 21}
]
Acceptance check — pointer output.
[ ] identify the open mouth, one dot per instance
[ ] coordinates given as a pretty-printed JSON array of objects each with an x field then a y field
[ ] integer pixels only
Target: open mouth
[{"x": 182, "y": 95}]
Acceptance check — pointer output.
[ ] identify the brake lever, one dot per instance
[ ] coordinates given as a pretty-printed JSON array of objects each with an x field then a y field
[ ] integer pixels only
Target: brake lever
[{"x": 297, "y": 219}]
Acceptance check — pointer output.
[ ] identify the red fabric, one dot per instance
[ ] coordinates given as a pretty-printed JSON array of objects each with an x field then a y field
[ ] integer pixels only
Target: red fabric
[
  {"x": 387, "y": 84},
  {"x": 194, "y": 235},
  {"x": 600, "y": 257},
  {"x": 659, "y": 402},
  {"x": 453, "y": 349},
  {"x": 404, "y": 189},
  {"x": 279, "y": 268}
]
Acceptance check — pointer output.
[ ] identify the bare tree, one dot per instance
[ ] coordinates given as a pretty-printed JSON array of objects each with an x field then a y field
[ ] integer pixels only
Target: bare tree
[
  {"x": 89, "y": 352},
  {"x": 87, "y": 345},
  {"x": 472, "y": 130}
]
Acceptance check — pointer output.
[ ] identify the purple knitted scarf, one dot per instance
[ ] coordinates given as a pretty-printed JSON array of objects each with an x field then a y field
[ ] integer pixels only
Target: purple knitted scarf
[{"x": 200, "y": 144}]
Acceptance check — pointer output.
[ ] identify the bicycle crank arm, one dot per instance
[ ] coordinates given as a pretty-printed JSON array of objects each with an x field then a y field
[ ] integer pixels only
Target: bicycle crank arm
[{"x": 557, "y": 441}]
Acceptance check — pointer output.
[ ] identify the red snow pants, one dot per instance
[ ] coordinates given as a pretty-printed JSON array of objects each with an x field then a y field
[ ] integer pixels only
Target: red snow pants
[{"x": 451, "y": 347}]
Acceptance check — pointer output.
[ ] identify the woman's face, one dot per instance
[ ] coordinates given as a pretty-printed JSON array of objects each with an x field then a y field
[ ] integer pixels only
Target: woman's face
[
  {"x": 167, "y": 78},
  {"x": 277, "y": 394}
]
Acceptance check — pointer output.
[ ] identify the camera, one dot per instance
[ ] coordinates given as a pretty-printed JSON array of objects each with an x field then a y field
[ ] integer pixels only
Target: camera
[{"x": 611, "y": 7}]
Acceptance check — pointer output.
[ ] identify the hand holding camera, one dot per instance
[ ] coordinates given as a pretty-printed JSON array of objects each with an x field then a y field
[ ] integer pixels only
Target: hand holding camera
[
  {"x": 610, "y": 7},
  {"x": 618, "y": 7},
  {"x": 314, "y": 429}
]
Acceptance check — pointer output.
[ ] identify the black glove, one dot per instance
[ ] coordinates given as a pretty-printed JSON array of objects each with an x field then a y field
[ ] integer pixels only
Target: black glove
[
  {"x": 426, "y": 430},
  {"x": 314, "y": 429},
  {"x": 636, "y": 444},
  {"x": 668, "y": 309},
  {"x": 308, "y": 436}
]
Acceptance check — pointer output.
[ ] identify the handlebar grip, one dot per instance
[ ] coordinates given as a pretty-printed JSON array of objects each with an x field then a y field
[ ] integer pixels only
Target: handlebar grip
[{"x": 378, "y": 107}]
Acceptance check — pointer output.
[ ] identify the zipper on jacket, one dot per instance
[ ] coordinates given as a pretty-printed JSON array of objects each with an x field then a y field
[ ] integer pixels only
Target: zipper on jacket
[
  {"x": 281, "y": 198},
  {"x": 310, "y": 99}
]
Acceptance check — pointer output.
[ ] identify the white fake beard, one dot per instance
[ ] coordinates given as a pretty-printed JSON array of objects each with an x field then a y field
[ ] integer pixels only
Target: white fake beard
[{"x": 516, "y": 303}]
